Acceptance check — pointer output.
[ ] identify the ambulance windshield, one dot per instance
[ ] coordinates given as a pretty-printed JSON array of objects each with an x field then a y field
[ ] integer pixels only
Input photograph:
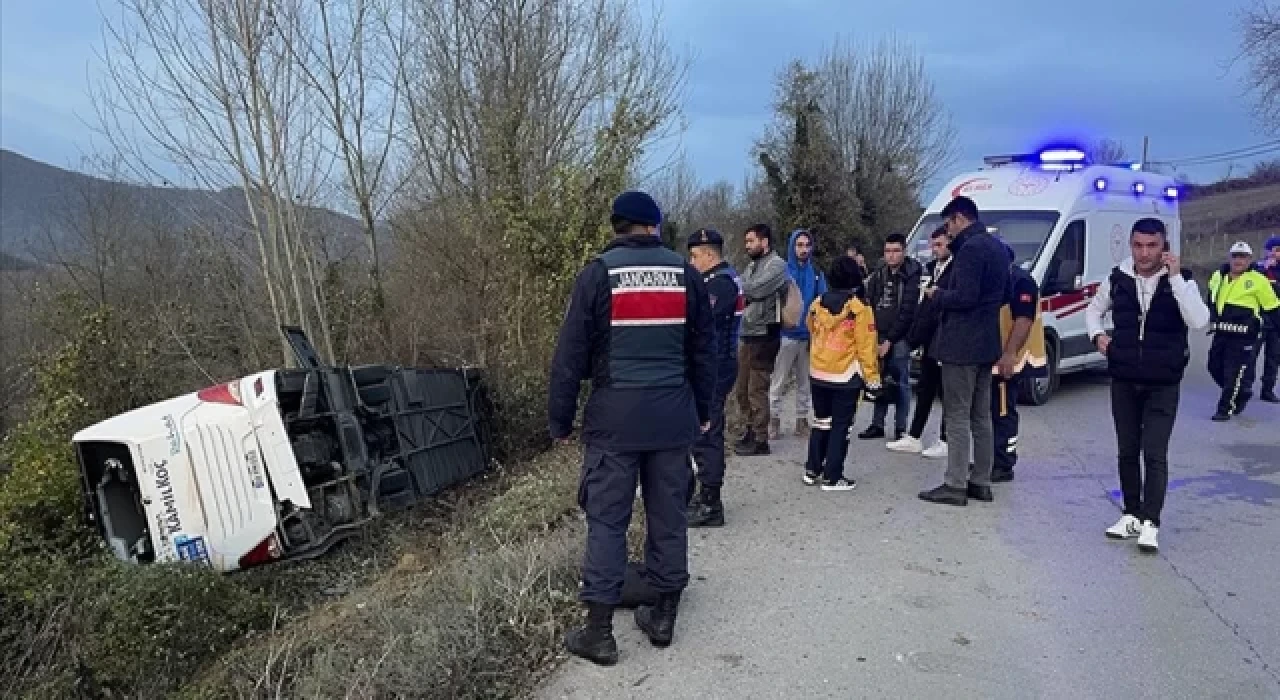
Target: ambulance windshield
[{"x": 1025, "y": 231}]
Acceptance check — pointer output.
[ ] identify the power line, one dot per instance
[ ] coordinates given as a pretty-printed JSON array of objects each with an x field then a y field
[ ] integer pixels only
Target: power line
[{"x": 1263, "y": 148}]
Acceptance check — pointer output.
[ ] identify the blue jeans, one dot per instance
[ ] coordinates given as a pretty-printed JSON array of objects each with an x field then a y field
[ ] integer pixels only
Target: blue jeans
[{"x": 898, "y": 365}]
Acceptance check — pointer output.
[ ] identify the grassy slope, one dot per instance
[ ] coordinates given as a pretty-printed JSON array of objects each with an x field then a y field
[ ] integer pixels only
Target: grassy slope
[{"x": 1206, "y": 239}]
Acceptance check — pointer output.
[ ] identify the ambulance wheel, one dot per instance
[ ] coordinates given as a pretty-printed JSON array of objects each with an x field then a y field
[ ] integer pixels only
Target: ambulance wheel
[{"x": 1036, "y": 391}]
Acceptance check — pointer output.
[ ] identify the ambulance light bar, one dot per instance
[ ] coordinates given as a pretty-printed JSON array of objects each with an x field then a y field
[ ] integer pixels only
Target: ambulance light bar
[{"x": 1049, "y": 159}]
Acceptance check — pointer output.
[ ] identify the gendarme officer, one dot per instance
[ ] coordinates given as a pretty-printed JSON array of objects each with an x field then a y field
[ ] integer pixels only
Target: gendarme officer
[
  {"x": 639, "y": 327},
  {"x": 706, "y": 252}
]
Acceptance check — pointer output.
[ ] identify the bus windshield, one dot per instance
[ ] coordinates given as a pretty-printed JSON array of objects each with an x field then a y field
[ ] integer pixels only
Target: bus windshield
[{"x": 1024, "y": 231}]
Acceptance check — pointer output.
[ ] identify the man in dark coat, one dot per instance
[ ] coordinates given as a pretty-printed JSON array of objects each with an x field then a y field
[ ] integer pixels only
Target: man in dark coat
[{"x": 639, "y": 327}]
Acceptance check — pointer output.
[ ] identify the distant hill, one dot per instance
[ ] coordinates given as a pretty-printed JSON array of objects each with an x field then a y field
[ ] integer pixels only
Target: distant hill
[{"x": 36, "y": 199}]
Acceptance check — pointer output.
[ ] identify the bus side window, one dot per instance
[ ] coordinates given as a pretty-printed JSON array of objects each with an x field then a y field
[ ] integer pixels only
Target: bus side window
[{"x": 1066, "y": 268}]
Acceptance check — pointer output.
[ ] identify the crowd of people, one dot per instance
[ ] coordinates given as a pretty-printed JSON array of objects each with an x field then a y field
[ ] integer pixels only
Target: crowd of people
[{"x": 665, "y": 341}]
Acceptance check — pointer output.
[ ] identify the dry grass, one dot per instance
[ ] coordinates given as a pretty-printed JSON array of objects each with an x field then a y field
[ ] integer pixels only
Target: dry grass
[
  {"x": 1207, "y": 233},
  {"x": 474, "y": 612}
]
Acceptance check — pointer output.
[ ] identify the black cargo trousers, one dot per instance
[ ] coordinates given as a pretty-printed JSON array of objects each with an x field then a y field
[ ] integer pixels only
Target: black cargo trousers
[{"x": 606, "y": 492}]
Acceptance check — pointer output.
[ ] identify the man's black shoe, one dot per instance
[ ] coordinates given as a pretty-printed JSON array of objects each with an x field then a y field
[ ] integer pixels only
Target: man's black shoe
[
  {"x": 708, "y": 511},
  {"x": 753, "y": 449},
  {"x": 659, "y": 621},
  {"x": 873, "y": 432},
  {"x": 1221, "y": 417},
  {"x": 999, "y": 476},
  {"x": 946, "y": 495},
  {"x": 594, "y": 641},
  {"x": 979, "y": 493},
  {"x": 1269, "y": 396}
]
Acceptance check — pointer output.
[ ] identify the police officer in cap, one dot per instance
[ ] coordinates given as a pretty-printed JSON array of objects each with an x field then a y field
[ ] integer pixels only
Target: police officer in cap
[
  {"x": 706, "y": 252},
  {"x": 639, "y": 327}
]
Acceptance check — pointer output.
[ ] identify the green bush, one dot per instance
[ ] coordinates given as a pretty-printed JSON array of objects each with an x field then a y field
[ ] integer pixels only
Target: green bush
[{"x": 102, "y": 627}]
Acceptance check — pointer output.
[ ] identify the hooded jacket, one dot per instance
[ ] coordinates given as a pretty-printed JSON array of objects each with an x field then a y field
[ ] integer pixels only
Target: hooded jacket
[
  {"x": 807, "y": 277},
  {"x": 1152, "y": 316},
  {"x": 842, "y": 350}
]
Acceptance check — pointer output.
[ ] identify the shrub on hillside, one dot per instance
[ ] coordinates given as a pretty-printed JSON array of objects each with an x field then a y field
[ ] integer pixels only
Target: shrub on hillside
[{"x": 72, "y": 621}]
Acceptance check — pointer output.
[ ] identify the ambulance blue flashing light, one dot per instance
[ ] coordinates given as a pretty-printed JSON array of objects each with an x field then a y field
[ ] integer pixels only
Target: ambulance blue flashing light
[
  {"x": 1100, "y": 184},
  {"x": 1139, "y": 188},
  {"x": 1171, "y": 192},
  {"x": 1062, "y": 155}
]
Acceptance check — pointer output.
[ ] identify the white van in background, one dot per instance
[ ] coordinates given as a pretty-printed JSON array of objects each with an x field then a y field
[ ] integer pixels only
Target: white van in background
[{"x": 1068, "y": 222}]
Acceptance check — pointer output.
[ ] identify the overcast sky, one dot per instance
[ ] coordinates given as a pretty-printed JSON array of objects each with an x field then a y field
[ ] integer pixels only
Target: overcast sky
[{"x": 1012, "y": 73}]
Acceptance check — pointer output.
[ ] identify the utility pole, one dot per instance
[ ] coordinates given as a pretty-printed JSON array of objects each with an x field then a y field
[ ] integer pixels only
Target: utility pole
[{"x": 1146, "y": 141}]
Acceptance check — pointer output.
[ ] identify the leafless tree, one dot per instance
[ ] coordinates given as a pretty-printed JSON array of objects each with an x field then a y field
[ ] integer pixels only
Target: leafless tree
[
  {"x": 1260, "y": 44},
  {"x": 524, "y": 119},
  {"x": 1107, "y": 151},
  {"x": 345, "y": 50},
  {"x": 209, "y": 87},
  {"x": 879, "y": 104}
]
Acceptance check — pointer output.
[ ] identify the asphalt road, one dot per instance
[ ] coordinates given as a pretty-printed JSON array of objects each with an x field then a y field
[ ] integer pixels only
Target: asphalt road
[{"x": 874, "y": 593}]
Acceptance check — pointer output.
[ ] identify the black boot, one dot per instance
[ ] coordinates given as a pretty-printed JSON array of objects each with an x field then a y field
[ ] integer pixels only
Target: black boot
[
  {"x": 708, "y": 511},
  {"x": 594, "y": 641},
  {"x": 748, "y": 438},
  {"x": 659, "y": 621},
  {"x": 1269, "y": 395}
]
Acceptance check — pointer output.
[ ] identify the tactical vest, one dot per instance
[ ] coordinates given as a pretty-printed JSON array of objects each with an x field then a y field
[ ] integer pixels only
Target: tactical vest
[
  {"x": 1150, "y": 348},
  {"x": 729, "y": 328},
  {"x": 647, "y": 311}
]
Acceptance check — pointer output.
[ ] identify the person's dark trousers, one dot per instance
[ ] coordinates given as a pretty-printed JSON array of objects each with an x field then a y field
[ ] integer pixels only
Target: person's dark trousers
[
  {"x": 897, "y": 363},
  {"x": 833, "y": 411},
  {"x": 927, "y": 389},
  {"x": 1270, "y": 359},
  {"x": 1231, "y": 364},
  {"x": 708, "y": 451},
  {"x": 606, "y": 491},
  {"x": 1004, "y": 426},
  {"x": 1144, "y": 417},
  {"x": 755, "y": 366},
  {"x": 966, "y": 405}
]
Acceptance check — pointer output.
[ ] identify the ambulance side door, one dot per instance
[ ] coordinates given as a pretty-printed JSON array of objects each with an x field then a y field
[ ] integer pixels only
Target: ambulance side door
[{"x": 1066, "y": 291}]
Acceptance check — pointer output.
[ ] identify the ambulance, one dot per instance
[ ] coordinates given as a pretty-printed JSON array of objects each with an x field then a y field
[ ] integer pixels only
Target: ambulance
[{"x": 1068, "y": 222}]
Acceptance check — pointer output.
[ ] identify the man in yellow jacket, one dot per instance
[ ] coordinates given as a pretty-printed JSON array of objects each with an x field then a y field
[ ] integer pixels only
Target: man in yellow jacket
[
  {"x": 1239, "y": 297},
  {"x": 843, "y": 362},
  {"x": 1023, "y": 356}
]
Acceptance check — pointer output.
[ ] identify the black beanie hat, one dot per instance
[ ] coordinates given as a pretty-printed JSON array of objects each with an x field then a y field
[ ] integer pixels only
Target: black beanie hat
[{"x": 638, "y": 208}]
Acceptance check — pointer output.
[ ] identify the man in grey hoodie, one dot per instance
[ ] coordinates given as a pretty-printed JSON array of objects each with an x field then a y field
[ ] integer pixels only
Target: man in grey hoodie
[{"x": 763, "y": 282}]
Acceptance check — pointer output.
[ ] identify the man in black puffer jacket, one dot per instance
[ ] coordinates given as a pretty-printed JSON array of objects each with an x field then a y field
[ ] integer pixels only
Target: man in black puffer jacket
[{"x": 967, "y": 344}]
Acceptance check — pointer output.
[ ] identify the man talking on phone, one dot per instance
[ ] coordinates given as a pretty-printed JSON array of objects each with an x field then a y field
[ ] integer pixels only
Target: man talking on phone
[{"x": 1154, "y": 304}]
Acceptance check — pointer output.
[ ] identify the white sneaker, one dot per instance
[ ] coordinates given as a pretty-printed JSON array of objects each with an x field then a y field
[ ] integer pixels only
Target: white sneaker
[
  {"x": 838, "y": 485},
  {"x": 1125, "y": 528},
  {"x": 906, "y": 444},
  {"x": 1147, "y": 540},
  {"x": 938, "y": 451}
]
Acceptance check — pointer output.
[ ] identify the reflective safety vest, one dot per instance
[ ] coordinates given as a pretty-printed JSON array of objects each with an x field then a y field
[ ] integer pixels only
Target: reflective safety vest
[
  {"x": 1033, "y": 353},
  {"x": 1238, "y": 304}
]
